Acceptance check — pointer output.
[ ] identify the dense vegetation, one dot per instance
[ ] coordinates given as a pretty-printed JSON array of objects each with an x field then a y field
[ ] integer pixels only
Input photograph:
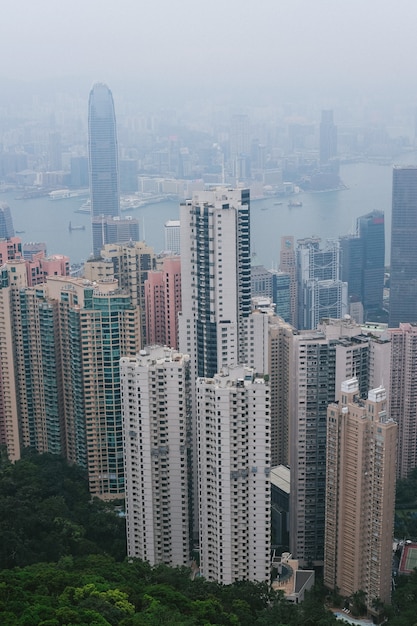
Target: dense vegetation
[
  {"x": 46, "y": 512},
  {"x": 406, "y": 507},
  {"x": 62, "y": 559},
  {"x": 101, "y": 591}
]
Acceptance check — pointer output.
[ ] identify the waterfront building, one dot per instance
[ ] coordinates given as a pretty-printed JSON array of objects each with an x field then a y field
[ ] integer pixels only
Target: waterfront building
[
  {"x": 403, "y": 394},
  {"x": 172, "y": 236},
  {"x": 403, "y": 277},
  {"x": 321, "y": 293},
  {"x": 103, "y": 153},
  {"x": 360, "y": 494},
  {"x": 79, "y": 172},
  {"x": 319, "y": 361},
  {"x": 163, "y": 303},
  {"x": 155, "y": 388},
  {"x": 32, "y": 249},
  {"x": 233, "y": 460},
  {"x": 328, "y": 138},
  {"x": 128, "y": 176},
  {"x": 108, "y": 230}
]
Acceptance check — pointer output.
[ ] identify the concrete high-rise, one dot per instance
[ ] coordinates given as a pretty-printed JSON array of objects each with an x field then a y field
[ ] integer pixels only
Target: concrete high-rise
[
  {"x": 59, "y": 370},
  {"x": 403, "y": 394},
  {"x": 216, "y": 279},
  {"x": 352, "y": 263},
  {"x": 269, "y": 341},
  {"x": 288, "y": 264},
  {"x": 172, "y": 236},
  {"x": 321, "y": 293},
  {"x": 319, "y": 361},
  {"x": 275, "y": 285},
  {"x": 403, "y": 279},
  {"x": 216, "y": 289},
  {"x": 129, "y": 264},
  {"x": 155, "y": 388},
  {"x": 360, "y": 494},
  {"x": 234, "y": 455},
  {"x": 97, "y": 326},
  {"x": 103, "y": 155},
  {"x": 163, "y": 303}
]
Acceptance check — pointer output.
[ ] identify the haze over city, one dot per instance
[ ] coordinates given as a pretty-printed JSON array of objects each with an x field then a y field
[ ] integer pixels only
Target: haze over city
[
  {"x": 322, "y": 49},
  {"x": 208, "y": 304}
]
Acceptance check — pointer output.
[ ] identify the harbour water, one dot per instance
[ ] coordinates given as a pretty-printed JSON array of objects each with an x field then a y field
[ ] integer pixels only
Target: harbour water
[{"x": 327, "y": 215}]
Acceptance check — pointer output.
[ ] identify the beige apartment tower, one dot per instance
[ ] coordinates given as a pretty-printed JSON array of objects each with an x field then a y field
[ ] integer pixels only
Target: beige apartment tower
[{"x": 360, "y": 494}]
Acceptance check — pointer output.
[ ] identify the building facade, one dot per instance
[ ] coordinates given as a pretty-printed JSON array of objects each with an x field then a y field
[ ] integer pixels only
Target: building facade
[
  {"x": 288, "y": 264},
  {"x": 234, "y": 502},
  {"x": 216, "y": 279},
  {"x": 103, "y": 153},
  {"x": 371, "y": 231},
  {"x": 319, "y": 362},
  {"x": 172, "y": 236},
  {"x": 360, "y": 494},
  {"x": 155, "y": 388},
  {"x": 163, "y": 303},
  {"x": 403, "y": 277},
  {"x": 109, "y": 230},
  {"x": 321, "y": 293},
  {"x": 60, "y": 371},
  {"x": 403, "y": 394}
]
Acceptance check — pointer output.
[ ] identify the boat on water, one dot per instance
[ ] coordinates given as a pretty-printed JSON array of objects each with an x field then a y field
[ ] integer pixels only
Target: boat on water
[
  {"x": 71, "y": 227},
  {"x": 277, "y": 203},
  {"x": 295, "y": 203},
  {"x": 20, "y": 232},
  {"x": 63, "y": 194},
  {"x": 85, "y": 207}
]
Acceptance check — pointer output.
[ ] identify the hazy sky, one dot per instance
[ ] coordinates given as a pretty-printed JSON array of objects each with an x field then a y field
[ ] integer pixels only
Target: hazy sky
[{"x": 313, "y": 44}]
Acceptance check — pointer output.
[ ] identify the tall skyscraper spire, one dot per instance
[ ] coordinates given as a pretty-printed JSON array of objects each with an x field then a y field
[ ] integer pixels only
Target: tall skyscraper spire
[
  {"x": 107, "y": 225},
  {"x": 102, "y": 152}
]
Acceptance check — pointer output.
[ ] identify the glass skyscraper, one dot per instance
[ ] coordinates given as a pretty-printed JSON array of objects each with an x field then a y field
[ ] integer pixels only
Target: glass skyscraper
[
  {"x": 403, "y": 283},
  {"x": 371, "y": 230},
  {"x": 103, "y": 153}
]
